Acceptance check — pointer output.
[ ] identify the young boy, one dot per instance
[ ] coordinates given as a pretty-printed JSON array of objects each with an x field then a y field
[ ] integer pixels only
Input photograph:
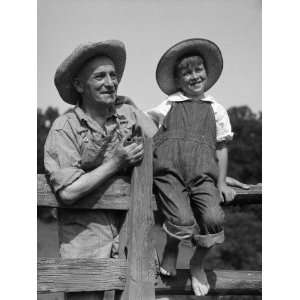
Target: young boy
[{"x": 190, "y": 154}]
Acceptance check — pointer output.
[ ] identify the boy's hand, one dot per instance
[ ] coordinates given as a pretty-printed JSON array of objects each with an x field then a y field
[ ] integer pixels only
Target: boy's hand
[
  {"x": 235, "y": 183},
  {"x": 227, "y": 193}
]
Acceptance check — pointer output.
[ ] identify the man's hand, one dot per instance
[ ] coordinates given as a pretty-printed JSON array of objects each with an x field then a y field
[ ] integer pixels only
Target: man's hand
[
  {"x": 227, "y": 193},
  {"x": 235, "y": 183},
  {"x": 126, "y": 155}
]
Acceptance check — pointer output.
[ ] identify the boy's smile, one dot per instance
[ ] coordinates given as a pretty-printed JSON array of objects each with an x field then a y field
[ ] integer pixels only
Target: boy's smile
[{"x": 191, "y": 76}]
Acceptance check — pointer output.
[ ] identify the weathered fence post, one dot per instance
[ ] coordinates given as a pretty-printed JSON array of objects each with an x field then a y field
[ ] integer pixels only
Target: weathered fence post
[{"x": 141, "y": 267}]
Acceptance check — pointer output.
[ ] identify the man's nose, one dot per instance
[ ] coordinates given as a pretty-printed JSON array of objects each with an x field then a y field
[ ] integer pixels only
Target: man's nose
[{"x": 108, "y": 81}]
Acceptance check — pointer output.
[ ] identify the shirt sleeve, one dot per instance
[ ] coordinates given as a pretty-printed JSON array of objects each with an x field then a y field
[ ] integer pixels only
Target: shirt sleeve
[
  {"x": 62, "y": 159},
  {"x": 158, "y": 113},
  {"x": 224, "y": 132},
  {"x": 143, "y": 121}
]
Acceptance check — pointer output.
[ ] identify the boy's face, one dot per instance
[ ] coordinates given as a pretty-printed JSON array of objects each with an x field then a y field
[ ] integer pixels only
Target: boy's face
[{"x": 191, "y": 76}]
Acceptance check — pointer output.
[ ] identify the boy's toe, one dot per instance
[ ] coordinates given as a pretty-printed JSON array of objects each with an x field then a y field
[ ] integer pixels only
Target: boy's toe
[{"x": 164, "y": 272}]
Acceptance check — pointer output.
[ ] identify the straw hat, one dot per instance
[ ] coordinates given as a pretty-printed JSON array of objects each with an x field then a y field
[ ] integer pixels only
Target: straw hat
[
  {"x": 210, "y": 53},
  {"x": 69, "y": 68}
]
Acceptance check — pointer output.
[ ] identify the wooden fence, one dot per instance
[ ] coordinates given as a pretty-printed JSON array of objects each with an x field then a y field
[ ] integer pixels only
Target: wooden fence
[{"x": 134, "y": 275}]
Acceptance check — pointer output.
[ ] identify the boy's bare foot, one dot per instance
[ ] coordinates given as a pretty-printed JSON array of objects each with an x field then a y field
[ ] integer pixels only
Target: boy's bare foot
[
  {"x": 168, "y": 265},
  {"x": 200, "y": 284}
]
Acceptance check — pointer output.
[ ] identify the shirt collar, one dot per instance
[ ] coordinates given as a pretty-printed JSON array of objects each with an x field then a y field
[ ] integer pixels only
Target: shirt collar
[
  {"x": 179, "y": 97},
  {"x": 83, "y": 117}
]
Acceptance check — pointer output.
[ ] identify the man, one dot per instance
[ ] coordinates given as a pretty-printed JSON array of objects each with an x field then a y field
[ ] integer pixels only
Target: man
[{"x": 89, "y": 144}]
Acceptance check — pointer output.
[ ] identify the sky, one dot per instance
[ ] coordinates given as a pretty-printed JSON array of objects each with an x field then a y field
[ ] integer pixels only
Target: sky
[{"x": 148, "y": 29}]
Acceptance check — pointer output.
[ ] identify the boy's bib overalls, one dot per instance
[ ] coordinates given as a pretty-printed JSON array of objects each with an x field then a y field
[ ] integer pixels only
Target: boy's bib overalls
[{"x": 186, "y": 173}]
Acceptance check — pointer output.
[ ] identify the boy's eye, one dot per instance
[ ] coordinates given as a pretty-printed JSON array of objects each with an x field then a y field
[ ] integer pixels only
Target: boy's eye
[{"x": 185, "y": 73}]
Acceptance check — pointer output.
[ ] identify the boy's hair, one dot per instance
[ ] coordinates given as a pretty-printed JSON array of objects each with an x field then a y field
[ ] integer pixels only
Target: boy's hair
[{"x": 185, "y": 61}]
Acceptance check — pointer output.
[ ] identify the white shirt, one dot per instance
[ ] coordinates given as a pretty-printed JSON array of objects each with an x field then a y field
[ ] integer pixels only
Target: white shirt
[{"x": 223, "y": 125}]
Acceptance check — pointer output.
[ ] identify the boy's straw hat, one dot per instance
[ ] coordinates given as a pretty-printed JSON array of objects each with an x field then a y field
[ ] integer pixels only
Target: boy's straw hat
[
  {"x": 69, "y": 68},
  {"x": 208, "y": 50}
]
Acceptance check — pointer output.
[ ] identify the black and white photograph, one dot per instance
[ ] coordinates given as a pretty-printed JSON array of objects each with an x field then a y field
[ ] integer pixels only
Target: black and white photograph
[{"x": 149, "y": 149}]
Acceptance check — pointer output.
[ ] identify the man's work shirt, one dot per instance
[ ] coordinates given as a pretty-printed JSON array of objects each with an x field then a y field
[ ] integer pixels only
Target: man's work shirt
[{"x": 77, "y": 144}]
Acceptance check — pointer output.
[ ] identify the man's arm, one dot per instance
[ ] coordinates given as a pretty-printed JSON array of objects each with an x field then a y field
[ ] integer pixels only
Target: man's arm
[
  {"x": 144, "y": 121},
  {"x": 123, "y": 156}
]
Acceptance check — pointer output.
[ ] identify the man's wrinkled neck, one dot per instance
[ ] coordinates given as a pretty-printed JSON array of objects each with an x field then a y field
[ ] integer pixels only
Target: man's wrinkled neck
[{"x": 98, "y": 111}]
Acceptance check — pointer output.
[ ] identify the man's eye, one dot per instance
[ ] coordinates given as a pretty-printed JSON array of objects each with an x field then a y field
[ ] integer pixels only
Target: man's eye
[
  {"x": 99, "y": 76},
  {"x": 113, "y": 75}
]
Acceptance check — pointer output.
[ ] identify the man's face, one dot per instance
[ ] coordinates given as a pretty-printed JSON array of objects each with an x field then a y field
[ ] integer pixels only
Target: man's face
[
  {"x": 191, "y": 76},
  {"x": 97, "y": 81}
]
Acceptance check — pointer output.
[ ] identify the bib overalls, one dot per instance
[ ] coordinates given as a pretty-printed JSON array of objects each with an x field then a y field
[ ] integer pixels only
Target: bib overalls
[{"x": 186, "y": 172}]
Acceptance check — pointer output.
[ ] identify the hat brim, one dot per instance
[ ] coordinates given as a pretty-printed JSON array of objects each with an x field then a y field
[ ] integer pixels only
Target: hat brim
[
  {"x": 210, "y": 53},
  {"x": 69, "y": 68}
]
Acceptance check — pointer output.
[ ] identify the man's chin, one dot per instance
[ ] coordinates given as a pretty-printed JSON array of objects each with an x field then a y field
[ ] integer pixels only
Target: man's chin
[{"x": 109, "y": 99}]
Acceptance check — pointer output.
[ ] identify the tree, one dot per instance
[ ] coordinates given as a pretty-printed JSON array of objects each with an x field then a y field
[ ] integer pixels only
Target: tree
[
  {"x": 242, "y": 247},
  {"x": 44, "y": 122},
  {"x": 245, "y": 151}
]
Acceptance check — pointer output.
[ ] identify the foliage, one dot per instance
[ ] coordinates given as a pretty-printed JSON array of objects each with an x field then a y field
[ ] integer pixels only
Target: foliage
[
  {"x": 245, "y": 151},
  {"x": 44, "y": 122},
  {"x": 242, "y": 247}
]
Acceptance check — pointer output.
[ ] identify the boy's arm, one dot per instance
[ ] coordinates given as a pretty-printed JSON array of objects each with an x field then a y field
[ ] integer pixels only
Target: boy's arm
[
  {"x": 235, "y": 183},
  {"x": 226, "y": 192}
]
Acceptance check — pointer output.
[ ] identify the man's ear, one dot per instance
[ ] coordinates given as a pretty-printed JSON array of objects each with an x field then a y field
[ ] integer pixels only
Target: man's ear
[{"x": 78, "y": 85}]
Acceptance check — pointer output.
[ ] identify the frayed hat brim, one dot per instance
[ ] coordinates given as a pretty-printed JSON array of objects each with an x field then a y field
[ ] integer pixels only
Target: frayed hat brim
[
  {"x": 209, "y": 52},
  {"x": 69, "y": 68}
]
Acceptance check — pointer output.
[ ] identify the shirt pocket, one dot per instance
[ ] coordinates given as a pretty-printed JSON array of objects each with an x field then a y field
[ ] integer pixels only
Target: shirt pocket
[
  {"x": 93, "y": 150},
  {"x": 127, "y": 127}
]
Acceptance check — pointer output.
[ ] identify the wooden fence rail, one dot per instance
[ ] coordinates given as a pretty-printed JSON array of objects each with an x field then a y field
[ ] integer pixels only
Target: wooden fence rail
[
  {"x": 222, "y": 282},
  {"x": 115, "y": 194},
  {"x": 134, "y": 274},
  {"x": 76, "y": 275}
]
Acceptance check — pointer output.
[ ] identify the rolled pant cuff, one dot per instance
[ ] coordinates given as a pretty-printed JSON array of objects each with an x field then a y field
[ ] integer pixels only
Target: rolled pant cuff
[
  {"x": 179, "y": 232},
  {"x": 208, "y": 240}
]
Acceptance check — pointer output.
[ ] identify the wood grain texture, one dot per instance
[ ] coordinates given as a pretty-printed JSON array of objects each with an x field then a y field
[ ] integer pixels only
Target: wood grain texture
[
  {"x": 114, "y": 194},
  {"x": 78, "y": 275},
  {"x": 222, "y": 282},
  {"x": 141, "y": 267},
  {"x": 251, "y": 196}
]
